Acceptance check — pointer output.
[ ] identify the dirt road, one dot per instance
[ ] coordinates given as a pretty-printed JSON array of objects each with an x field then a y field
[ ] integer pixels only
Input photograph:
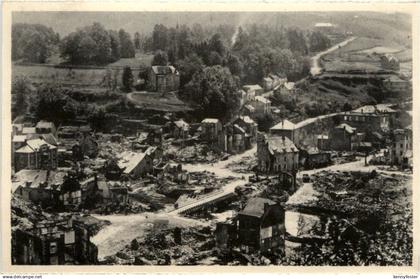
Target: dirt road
[{"x": 316, "y": 68}]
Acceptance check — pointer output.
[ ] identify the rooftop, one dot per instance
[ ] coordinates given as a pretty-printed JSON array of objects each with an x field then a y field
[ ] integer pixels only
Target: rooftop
[
  {"x": 210, "y": 120},
  {"x": 164, "y": 70},
  {"x": 129, "y": 160},
  {"x": 380, "y": 108},
  {"x": 255, "y": 207},
  {"x": 251, "y": 87},
  {"x": 34, "y": 145},
  {"x": 45, "y": 124},
  {"x": 262, "y": 100},
  {"x": 284, "y": 125},
  {"x": 349, "y": 129},
  {"x": 280, "y": 144}
]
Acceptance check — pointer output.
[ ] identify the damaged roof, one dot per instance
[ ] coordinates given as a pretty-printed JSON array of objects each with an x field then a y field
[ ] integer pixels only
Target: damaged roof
[
  {"x": 255, "y": 207},
  {"x": 280, "y": 144}
]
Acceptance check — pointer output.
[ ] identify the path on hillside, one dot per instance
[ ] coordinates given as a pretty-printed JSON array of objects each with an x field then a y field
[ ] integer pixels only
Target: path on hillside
[{"x": 316, "y": 68}]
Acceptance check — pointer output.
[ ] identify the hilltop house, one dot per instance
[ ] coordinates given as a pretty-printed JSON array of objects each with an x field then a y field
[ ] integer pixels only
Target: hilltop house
[
  {"x": 163, "y": 79},
  {"x": 390, "y": 62}
]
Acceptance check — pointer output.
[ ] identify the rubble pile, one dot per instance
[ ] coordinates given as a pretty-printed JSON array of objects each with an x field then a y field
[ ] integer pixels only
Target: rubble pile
[
  {"x": 245, "y": 165},
  {"x": 359, "y": 193},
  {"x": 197, "y": 153},
  {"x": 168, "y": 246}
]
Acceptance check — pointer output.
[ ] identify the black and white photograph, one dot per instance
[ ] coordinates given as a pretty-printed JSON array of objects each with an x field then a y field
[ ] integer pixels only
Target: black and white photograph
[{"x": 211, "y": 138}]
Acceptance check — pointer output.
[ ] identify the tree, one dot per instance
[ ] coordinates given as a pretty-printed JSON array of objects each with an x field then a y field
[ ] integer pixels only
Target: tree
[
  {"x": 159, "y": 37},
  {"x": 234, "y": 64},
  {"x": 216, "y": 44},
  {"x": 33, "y": 42},
  {"x": 22, "y": 89},
  {"x": 137, "y": 43},
  {"x": 215, "y": 91},
  {"x": 160, "y": 58},
  {"x": 297, "y": 41},
  {"x": 127, "y": 79},
  {"x": 215, "y": 59},
  {"x": 89, "y": 45},
  {"x": 127, "y": 46},
  {"x": 188, "y": 67},
  {"x": 115, "y": 45},
  {"x": 318, "y": 42}
]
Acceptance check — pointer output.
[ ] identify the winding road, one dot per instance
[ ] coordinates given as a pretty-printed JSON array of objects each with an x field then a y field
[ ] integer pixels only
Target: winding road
[{"x": 316, "y": 67}]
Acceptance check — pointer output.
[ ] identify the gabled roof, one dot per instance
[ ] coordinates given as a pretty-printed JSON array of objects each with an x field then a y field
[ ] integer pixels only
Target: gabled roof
[
  {"x": 289, "y": 85},
  {"x": 239, "y": 129},
  {"x": 349, "y": 129},
  {"x": 28, "y": 130},
  {"x": 280, "y": 144},
  {"x": 164, "y": 70},
  {"x": 181, "y": 124},
  {"x": 262, "y": 100},
  {"x": 210, "y": 120},
  {"x": 380, "y": 108},
  {"x": 34, "y": 145},
  {"x": 247, "y": 119},
  {"x": 45, "y": 125},
  {"x": 284, "y": 125},
  {"x": 129, "y": 160},
  {"x": 252, "y": 87},
  {"x": 49, "y": 138},
  {"x": 255, "y": 207},
  {"x": 19, "y": 138}
]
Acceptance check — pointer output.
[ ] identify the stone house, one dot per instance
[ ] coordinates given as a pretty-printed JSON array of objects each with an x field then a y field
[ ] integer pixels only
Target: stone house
[
  {"x": 163, "y": 79},
  {"x": 261, "y": 226},
  {"x": 252, "y": 91},
  {"x": 390, "y": 62},
  {"x": 45, "y": 127},
  {"x": 277, "y": 154},
  {"x": 180, "y": 129},
  {"x": 342, "y": 137},
  {"x": 262, "y": 106},
  {"x": 134, "y": 164},
  {"x": 401, "y": 149},
  {"x": 212, "y": 132},
  {"x": 240, "y": 134},
  {"x": 323, "y": 142},
  {"x": 35, "y": 154},
  {"x": 314, "y": 158},
  {"x": 284, "y": 128}
]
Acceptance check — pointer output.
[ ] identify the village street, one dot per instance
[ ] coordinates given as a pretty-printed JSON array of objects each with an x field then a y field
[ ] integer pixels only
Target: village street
[{"x": 124, "y": 228}]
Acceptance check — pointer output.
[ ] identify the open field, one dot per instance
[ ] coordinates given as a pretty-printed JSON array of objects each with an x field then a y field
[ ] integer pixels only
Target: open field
[
  {"x": 157, "y": 101},
  {"x": 86, "y": 78},
  {"x": 363, "y": 54},
  {"x": 141, "y": 59}
]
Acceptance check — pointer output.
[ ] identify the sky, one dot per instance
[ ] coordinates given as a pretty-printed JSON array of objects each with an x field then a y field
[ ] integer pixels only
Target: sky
[{"x": 143, "y": 22}]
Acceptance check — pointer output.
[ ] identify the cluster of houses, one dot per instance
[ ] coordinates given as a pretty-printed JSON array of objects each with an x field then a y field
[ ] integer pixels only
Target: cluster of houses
[
  {"x": 54, "y": 239},
  {"x": 308, "y": 143}
]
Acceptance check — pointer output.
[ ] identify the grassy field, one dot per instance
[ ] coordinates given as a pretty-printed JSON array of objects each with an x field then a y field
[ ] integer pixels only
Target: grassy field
[
  {"x": 363, "y": 54},
  {"x": 157, "y": 101}
]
